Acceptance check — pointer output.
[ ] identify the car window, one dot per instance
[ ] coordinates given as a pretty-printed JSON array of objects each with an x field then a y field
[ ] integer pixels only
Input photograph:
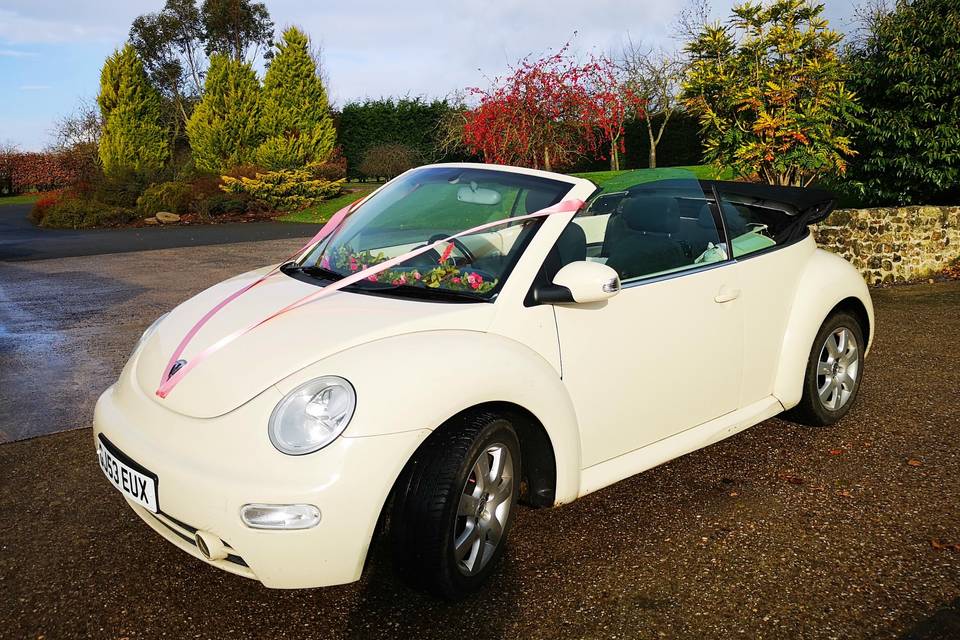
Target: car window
[
  {"x": 647, "y": 228},
  {"x": 754, "y": 224}
]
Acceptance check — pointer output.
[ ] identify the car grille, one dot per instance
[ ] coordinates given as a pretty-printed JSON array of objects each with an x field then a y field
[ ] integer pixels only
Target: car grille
[{"x": 188, "y": 534}]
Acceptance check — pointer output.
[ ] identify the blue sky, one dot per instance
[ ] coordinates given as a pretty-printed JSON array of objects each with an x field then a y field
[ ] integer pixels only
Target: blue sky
[{"x": 51, "y": 51}]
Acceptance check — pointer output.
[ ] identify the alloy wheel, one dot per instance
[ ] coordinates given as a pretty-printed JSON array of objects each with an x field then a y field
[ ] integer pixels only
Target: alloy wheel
[
  {"x": 838, "y": 368},
  {"x": 484, "y": 509}
]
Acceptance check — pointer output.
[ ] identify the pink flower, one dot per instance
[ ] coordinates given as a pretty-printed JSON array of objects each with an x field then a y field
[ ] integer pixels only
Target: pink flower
[
  {"x": 353, "y": 264},
  {"x": 325, "y": 262},
  {"x": 416, "y": 275},
  {"x": 402, "y": 279},
  {"x": 446, "y": 253},
  {"x": 456, "y": 280},
  {"x": 372, "y": 278},
  {"x": 475, "y": 280}
]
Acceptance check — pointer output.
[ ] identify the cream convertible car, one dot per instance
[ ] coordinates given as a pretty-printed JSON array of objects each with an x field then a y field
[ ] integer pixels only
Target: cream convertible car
[{"x": 590, "y": 335}]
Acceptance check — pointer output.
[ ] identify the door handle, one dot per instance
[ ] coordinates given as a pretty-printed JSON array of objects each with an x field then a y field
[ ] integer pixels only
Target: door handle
[{"x": 726, "y": 294}]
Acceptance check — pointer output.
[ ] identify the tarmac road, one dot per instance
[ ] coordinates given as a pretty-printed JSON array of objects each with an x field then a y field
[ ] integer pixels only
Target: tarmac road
[{"x": 780, "y": 532}]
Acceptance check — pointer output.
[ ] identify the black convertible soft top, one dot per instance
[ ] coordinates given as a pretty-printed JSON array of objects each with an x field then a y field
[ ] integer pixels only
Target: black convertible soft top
[
  {"x": 813, "y": 205},
  {"x": 804, "y": 205}
]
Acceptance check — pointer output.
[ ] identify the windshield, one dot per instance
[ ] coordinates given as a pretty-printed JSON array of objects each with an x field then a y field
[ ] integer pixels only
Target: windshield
[{"x": 431, "y": 204}]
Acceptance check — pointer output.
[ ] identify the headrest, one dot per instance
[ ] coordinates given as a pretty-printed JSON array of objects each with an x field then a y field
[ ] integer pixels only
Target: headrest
[
  {"x": 705, "y": 219},
  {"x": 651, "y": 214},
  {"x": 537, "y": 200},
  {"x": 572, "y": 244}
]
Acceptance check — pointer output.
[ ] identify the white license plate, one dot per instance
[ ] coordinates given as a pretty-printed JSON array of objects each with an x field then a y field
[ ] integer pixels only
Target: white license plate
[{"x": 133, "y": 483}]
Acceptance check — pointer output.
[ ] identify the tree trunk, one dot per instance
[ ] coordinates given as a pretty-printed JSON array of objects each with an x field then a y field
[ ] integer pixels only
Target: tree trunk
[
  {"x": 614, "y": 157},
  {"x": 653, "y": 146},
  {"x": 546, "y": 159}
]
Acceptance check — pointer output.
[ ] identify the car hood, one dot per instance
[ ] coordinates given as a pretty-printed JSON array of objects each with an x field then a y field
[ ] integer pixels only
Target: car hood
[{"x": 244, "y": 368}]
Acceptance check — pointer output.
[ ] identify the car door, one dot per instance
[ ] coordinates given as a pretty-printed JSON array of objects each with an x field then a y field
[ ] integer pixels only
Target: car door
[{"x": 664, "y": 354}]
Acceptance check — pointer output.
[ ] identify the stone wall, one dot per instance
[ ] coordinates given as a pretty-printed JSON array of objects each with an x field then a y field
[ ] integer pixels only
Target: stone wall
[{"x": 893, "y": 244}]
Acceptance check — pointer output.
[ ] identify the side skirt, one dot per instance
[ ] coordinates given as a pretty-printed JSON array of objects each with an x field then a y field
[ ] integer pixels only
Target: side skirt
[{"x": 610, "y": 471}]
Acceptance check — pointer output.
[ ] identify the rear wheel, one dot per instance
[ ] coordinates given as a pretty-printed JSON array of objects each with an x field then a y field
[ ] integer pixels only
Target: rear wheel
[
  {"x": 454, "y": 505},
  {"x": 834, "y": 372}
]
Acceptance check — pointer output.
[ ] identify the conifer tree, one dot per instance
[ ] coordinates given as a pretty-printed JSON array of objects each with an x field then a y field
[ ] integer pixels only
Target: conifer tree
[
  {"x": 134, "y": 138},
  {"x": 223, "y": 128},
  {"x": 295, "y": 116}
]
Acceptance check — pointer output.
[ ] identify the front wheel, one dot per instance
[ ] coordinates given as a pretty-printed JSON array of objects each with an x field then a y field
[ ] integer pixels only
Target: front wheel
[
  {"x": 454, "y": 505},
  {"x": 834, "y": 372}
]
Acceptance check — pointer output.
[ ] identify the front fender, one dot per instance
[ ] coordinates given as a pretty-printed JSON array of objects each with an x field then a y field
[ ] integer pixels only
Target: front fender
[
  {"x": 420, "y": 380},
  {"x": 827, "y": 280}
]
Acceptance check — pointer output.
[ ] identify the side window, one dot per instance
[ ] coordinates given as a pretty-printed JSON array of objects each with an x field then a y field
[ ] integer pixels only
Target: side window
[
  {"x": 753, "y": 225},
  {"x": 656, "y": 230}
]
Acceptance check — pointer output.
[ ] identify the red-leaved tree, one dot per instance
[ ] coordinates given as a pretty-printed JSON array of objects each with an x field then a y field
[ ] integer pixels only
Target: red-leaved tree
[
  {"x": 610, "y": 102},
  {"x": 550, "y": 112}
]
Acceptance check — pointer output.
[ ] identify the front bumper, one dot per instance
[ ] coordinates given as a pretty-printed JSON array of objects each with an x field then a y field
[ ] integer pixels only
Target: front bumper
[{"x": 208, "y": 468}]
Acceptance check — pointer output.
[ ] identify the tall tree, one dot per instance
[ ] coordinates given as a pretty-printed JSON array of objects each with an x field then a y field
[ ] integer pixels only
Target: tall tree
[
  {"x": 223, "y": 128},
  {"x": 295, "y": 116},
  {"x": 609, "y": 101},
  {"x": 769, "y": 90},
  {"x": 170, "y": 43},
  {"x": 237, "y": 28},
  {"x": 907, "y": 73},
  {"x": 655, "y": 76},
  {"x": 133, "y": 137}
]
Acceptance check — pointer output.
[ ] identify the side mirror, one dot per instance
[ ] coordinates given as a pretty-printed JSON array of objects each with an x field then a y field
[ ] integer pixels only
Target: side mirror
[{"x": 580, "y": 282}]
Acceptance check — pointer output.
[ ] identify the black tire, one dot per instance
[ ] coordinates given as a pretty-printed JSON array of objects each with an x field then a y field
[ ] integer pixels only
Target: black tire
[
  {"x": 813, "y": 410},
  {"x": 424, "y": 517}
]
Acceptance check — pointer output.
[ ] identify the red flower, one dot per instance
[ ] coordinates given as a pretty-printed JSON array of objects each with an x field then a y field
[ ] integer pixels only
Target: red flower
[{"x": 446, "y": 253}]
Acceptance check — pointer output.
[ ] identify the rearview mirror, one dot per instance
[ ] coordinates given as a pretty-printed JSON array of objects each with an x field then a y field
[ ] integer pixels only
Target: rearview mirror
[{"x": 580, "y": 282}]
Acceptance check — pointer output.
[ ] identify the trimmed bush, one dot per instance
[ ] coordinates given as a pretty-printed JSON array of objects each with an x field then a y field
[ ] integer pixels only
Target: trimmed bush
[
  {"x": 175, "y": 197},
  {"x": 72, "y": 212},
  {"x": 388, "y": 161},
  {"x": 335, "y": 168},
  {"x": 284, "y": 190}
]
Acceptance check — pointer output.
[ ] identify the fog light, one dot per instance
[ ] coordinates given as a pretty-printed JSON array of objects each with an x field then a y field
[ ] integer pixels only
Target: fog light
[{"x": 280, "y": 516}]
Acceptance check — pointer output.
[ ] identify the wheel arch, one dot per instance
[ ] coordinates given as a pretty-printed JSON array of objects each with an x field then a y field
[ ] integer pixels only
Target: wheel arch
[{"x": 828, "y": 284}]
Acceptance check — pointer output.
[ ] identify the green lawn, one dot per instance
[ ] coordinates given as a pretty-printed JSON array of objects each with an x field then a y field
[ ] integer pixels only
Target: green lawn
[
  {"x": 615, "y": 180},
  {"x": 321, "y": 212},
  {"x": 608, "y": 180},
  {"x": 27, "y": 198}
]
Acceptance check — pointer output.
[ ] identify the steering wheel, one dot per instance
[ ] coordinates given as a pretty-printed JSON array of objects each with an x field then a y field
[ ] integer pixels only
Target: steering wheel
[{"x": 435, "y": 255}]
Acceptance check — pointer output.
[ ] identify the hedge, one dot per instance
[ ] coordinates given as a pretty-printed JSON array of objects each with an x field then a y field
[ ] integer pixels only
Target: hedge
[
  {"x": 22, "y": 172},
  {"x": 411, "y": 122}
]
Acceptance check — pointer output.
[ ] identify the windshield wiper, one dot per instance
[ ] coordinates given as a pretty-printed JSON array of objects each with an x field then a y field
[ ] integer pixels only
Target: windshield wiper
[
  {"x": 425, "y": 293},
  {"x": 326, "y": 274}
]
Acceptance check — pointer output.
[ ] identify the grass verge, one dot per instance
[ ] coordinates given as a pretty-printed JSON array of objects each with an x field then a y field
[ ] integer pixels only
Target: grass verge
[{"x": 26, "y": 198}]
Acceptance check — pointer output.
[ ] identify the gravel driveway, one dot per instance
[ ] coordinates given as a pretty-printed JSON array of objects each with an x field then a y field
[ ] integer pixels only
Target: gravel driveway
[{"x": 781, "y": 531}]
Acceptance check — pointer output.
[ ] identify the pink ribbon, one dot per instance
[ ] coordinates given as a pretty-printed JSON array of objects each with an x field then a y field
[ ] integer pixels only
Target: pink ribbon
[{"x": 167, "y": 383}]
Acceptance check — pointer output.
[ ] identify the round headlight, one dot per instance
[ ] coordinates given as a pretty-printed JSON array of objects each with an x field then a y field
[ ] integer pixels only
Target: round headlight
[{"x": 312, "y": 416}]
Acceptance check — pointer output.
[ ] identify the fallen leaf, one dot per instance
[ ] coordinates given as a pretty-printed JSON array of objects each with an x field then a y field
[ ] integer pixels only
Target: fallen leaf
[
  {"x": 843, "y": 493},
  {"x": 734, "y": 494},
  {"x": 836, "y": 452},
  {"x": 793, "y": 479},
  {"x": 939, "y": 546},
  {"x": 914, "y": 463}
]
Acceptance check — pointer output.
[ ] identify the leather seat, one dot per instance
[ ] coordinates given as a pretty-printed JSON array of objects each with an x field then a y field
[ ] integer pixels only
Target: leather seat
[{"x": 641, "y": 238}]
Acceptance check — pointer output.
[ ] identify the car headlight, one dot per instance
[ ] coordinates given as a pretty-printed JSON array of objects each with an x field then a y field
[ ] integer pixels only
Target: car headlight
[
  {"x": 312, "y": 416},
  {"x": 149, "y": 330}
]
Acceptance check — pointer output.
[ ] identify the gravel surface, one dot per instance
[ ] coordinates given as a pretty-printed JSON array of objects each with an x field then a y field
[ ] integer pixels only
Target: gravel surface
[{"x": 779, "y": 532}]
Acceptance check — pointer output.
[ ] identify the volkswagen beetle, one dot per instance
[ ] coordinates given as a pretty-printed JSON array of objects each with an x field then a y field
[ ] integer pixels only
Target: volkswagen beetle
[{"x": 468, "y": 338}]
